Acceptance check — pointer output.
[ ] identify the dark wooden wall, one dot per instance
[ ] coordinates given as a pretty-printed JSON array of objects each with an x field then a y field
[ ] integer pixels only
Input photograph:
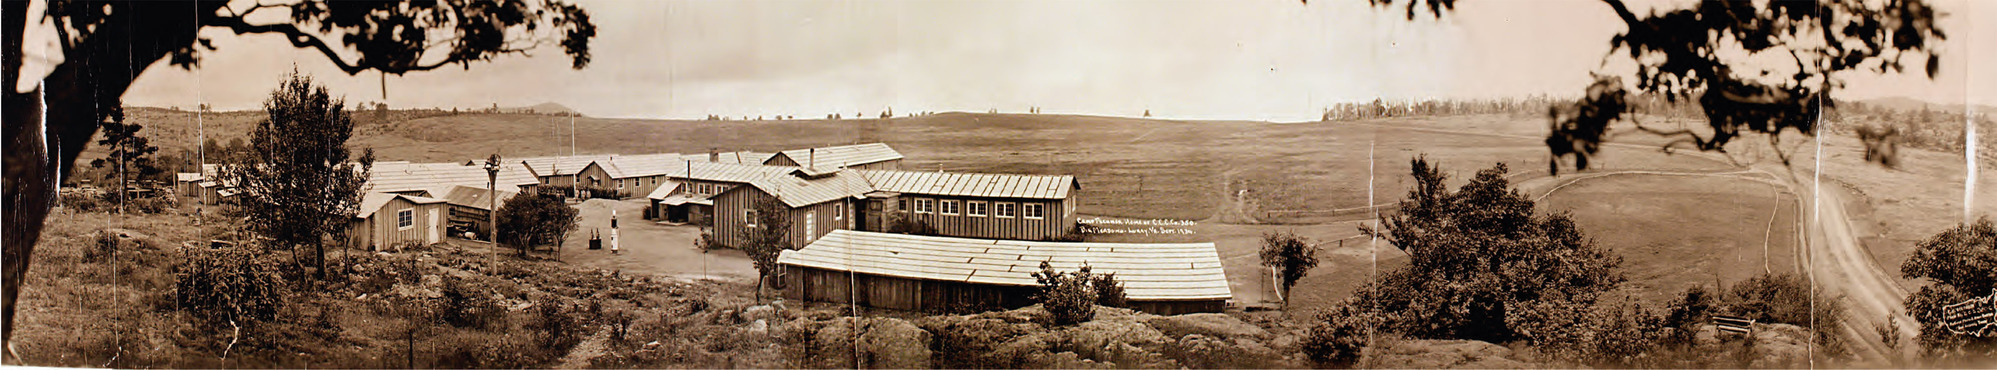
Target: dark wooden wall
[{"x": 895, "y": 293}]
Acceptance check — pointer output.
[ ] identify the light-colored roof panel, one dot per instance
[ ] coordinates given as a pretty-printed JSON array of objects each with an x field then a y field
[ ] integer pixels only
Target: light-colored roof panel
[
  {"x": 405, "y": 176},
  {"x": 841, "y": 156},
  {"x": 475, "y": 197},
  {"x": 986, "y": 185},
  {"x": 1191, "y": 272}
]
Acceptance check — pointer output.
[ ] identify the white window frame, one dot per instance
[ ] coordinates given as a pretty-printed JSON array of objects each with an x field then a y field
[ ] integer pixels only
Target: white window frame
[
  {"x": 838, "y": 211},
  {"x": 1029, "y": 210},
  {"x": 977, "y": 208},
  {"x": 405, "y": 219},
  {"x": 901, "y": 205},
  {"x": 1005, "y": 209},
  {"x": 749, "y": 218},
  {"x": 950, "y": 207},
  {"x": 925, "y": 206}
]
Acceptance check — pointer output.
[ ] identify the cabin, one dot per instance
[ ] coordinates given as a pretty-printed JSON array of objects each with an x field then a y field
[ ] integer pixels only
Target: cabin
[
  {"x": 559, "y": 171},
  {"x": 872, "y": 156},
  {"x": 471, "y": 208},
  {"x": 949, "y": 274},
  {"x": 187, "y": 185},
  {"x": 388, "y": 221},
  {"x": 687, "y": 195},
  {"x": 972, "y": 205},
  {"x": 813, "y": 206}
]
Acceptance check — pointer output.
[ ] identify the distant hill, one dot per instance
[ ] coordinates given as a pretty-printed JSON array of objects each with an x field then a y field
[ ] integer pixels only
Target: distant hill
[
  {"x": 1902, "y": 103},
  {"x": 549, "y": 108}
]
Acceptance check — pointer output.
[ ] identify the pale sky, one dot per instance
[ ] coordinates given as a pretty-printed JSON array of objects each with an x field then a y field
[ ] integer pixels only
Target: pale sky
[{"x": 1237, "y": 59}]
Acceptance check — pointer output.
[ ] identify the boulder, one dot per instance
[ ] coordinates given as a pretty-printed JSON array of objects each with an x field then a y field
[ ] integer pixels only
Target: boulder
[
  {"x": 762, "y": 312},
  {"x": 1208, "y": 324},
  {"x": 881, "y": 343}
]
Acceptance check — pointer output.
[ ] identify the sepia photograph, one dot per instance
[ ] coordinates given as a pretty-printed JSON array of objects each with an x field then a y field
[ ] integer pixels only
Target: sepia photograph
[{"x": 988, "y": 184}]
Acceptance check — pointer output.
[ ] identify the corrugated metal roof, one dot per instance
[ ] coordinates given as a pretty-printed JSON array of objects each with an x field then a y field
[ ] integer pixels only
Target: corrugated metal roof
[
  {"x": 373, "y": 201},
  {"x": 987, "y": 185},
  {"x": 664, "y": 189},
  {"x": 727, "y": 172},
  {"x": 474, "y": 197},
  {"x": 560, "y": 165},
  {"x": 798, "y": 192},
  {"x": 741, "y": 157},
  {"x": 1149, "y": 272},
  {"x": 437, "y": 178},
  {"x": 628, "y": 166},
  {"x": 845, "y": 155}
]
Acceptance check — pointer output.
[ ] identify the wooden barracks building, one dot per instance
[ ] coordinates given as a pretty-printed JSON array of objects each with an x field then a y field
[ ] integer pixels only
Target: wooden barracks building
[{"x": 974, "y": 205}]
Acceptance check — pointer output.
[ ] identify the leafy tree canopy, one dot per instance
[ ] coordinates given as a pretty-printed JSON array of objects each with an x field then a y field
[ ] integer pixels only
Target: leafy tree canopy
[
  {"x": 1476, "y": 253},
  {"x": 1960, "y": 263}
]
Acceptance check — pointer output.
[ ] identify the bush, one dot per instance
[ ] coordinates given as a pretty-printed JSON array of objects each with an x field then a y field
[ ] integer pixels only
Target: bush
[
  {"x": 1788, "y": 299},
  {"x": 1338, "y": 339},
  {"x": 1683, "y": 316},
  {"x": 555, "y": 325},
  {"x": 107, "y": 244},
  {"x": 230, "y": 287},
  {"x": 1109, "y": 292},
  {"x": 1066, "y": 296},
  {"x": 80, "y": 202},
  {"x": 465, "y": 306}
]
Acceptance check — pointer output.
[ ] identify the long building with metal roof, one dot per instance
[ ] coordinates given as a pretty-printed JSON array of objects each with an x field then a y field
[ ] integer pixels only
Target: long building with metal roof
[
  {"x": 861, "y": 156},
  {"x": 977, "y": 205},
  {"x": 931, "y": 273}
]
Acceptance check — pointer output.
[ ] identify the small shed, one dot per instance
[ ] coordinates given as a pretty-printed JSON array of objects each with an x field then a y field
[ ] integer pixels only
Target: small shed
[
  {"x": 388, "y": 220},
  {"x": 937, "y": 274}
]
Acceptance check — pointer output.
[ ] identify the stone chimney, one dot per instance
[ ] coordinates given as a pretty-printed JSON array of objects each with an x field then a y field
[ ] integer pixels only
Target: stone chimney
[{"x": 713, "y": 155}]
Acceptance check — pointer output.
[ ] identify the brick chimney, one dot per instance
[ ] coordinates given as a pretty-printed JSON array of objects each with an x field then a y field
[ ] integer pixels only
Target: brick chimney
[{"x": 713, "y": 155}]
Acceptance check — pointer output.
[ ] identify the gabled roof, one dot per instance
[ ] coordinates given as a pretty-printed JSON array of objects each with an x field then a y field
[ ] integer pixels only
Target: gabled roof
[
  {"x": 628, "y": 166},
  {"x": 461, "y": 195},
  {"x": 798, "y": 192},
  {"x": 665, "y": 189},
  {"x": 741, "y": 157},
  {"x": 726, "y": 172},
  {"x": 840, "y": 156},
  {"x": 373, "y": 201},
  {"x": 437, "y": 178},
  {"x": 1149, "y": 272},
  {"x": 987, "y": 185},
  {"x": 560, "y": 165}
]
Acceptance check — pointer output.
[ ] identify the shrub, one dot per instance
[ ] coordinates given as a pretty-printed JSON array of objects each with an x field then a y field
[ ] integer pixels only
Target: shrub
[
  {"x": 1339, "y": 337},
  {"x": 465, "y": 306},
  {"x": 1683, "y": 316},
  {"x": 80, "y": 202},
  {"x": 107, "y": 244},
  {"x": 1788, "y": 299},
  {"x": 231, "y": 286},
  {"x": 1109, "y": 292},
  {"x": 554, "y": 325},
  {"x": 1066, "y": 296}
]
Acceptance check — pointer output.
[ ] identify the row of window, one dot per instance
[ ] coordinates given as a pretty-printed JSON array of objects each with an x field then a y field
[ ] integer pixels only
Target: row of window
[
  {"x": 705, "y": 188},
  {"x": 975, "y": 208}
]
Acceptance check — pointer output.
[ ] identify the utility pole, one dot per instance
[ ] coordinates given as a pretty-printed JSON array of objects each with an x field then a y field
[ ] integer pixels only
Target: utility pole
[{"x": 492, "y": 201}]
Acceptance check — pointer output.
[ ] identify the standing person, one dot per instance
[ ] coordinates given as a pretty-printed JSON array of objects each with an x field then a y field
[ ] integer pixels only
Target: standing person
[{"x": 613, "y": 231}]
